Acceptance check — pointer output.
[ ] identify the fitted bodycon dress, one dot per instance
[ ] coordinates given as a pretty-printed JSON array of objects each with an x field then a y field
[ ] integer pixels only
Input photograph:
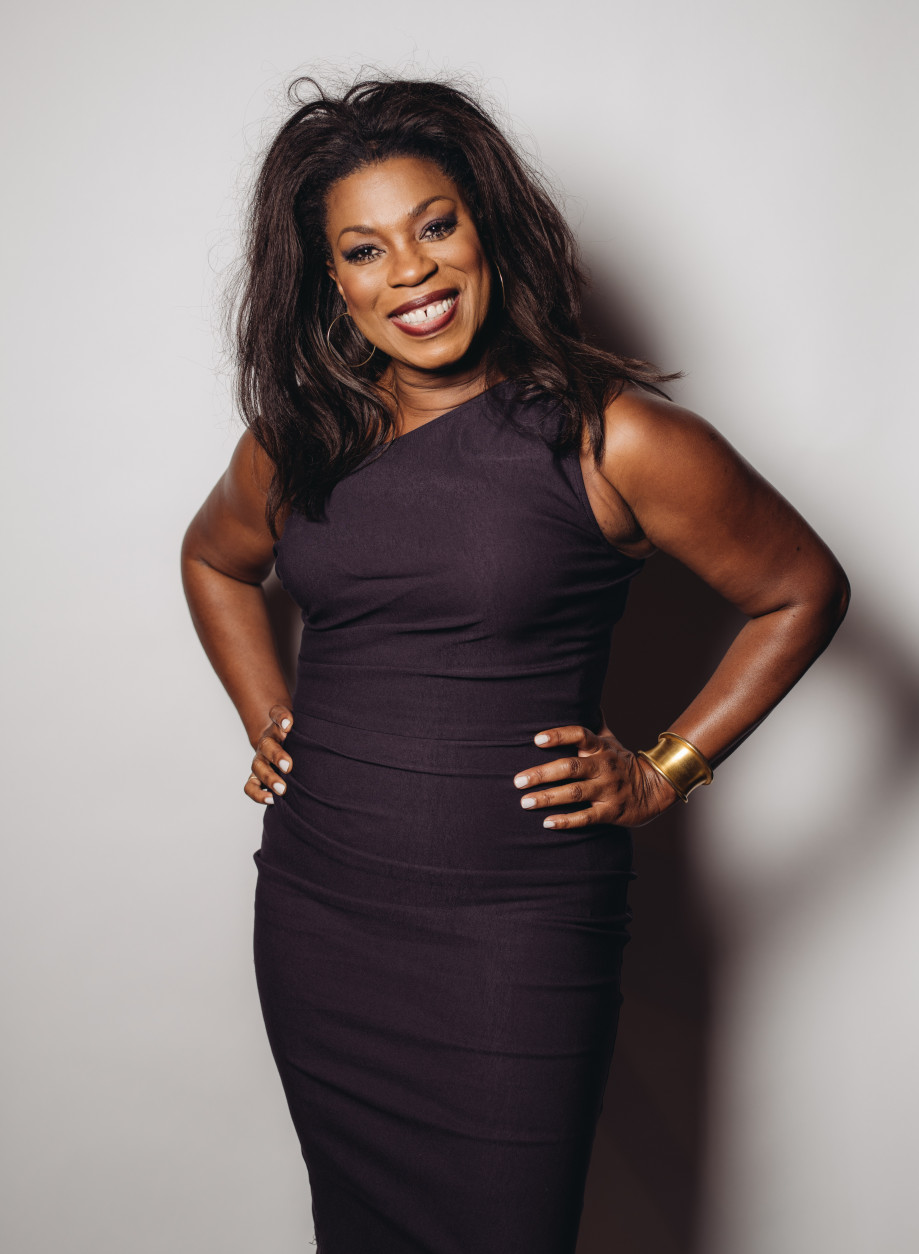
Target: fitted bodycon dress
[{"x": 438, "y": 972}]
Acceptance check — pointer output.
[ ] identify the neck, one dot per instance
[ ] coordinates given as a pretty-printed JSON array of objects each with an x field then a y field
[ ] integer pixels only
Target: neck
[{"x": 421, "y": 395}]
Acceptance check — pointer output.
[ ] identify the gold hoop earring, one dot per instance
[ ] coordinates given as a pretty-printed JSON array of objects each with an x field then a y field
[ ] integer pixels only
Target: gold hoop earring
[
  {"x": 503, "y": 292},
  {"x": 336, "y": 353}
]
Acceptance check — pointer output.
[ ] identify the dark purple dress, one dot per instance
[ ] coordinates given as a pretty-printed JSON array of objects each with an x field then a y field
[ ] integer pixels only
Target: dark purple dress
[{"x": 439, "y": 973}]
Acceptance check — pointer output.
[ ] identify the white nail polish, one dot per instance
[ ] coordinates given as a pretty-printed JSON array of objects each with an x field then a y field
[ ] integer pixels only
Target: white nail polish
[
  {"x": 541, "y": 740},
  {"x": 548, "y": 822},
  {"x": 279, "y": 787},
  {"x": 521, "y": 780},
  {"x": 285, "y": 723},
  {"x": 284, "y": 764},
  {"x": 528, "y": 802},
  {"x": 269, "y": 800}
]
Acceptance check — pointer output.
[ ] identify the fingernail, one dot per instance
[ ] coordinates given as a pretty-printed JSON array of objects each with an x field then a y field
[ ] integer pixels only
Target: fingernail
[
  {"x": 279, "y": 787},
  {"x": 528, "y": 802},
  {"x": 269, "y": 800},
  {"x": 548, "y": 822},
  {"x": 521, "y": 780},
  {"x": 284, "y": 764},
  {"x": 541, "y": 738},
  {"x": 285, "y": 723}
]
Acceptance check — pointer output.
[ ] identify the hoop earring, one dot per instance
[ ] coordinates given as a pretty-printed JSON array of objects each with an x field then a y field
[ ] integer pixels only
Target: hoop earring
[
  {"x": 336, "y": 353},
  {"x": 503, "y": 293}
]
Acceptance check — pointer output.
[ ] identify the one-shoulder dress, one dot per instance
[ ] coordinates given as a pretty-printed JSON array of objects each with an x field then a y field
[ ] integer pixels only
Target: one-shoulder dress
[{"x": 439, "y": 973}]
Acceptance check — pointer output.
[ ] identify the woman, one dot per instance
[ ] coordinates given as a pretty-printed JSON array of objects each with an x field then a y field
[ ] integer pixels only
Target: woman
[{"x": 458, "y": 489}]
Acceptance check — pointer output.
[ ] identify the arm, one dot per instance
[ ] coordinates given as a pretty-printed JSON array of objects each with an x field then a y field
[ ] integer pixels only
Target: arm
[
  {"x": 226, "y": 554},
  {"x": 675, "y": 484}
]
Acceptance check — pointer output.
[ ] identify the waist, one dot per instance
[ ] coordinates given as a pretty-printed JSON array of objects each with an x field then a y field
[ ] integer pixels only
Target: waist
[
  {"x": 486, "y": 755},
  {"x": 467, "y": 712},
  {"x": 364, "y": 810}
]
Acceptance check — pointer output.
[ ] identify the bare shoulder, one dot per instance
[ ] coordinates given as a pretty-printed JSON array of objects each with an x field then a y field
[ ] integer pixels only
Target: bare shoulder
[
  {"x": 230, "y": 531},
  {"x": 246, "y": 482},
  {"x": 654, "y": 447},
  {"x": 639, "y": 424},
  {"x": 643, "y": 435}
]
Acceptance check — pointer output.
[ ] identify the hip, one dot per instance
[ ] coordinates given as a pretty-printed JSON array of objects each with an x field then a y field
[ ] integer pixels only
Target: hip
[{"x": 399, "y": 816}]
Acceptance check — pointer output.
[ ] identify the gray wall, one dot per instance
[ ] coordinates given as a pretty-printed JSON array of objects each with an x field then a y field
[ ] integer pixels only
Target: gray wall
[{"x": 743, "y": 181}]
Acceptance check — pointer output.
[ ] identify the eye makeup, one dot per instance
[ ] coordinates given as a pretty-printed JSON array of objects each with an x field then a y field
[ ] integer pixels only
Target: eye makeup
[
  {"x": 439, "y": 228},
  {"x": 360, "y": 253},
  {"x": 442, "y": 227}
]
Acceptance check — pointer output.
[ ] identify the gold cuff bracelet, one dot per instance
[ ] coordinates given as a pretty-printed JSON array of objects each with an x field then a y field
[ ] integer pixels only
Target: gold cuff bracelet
[{"x": 680, "y": 763}]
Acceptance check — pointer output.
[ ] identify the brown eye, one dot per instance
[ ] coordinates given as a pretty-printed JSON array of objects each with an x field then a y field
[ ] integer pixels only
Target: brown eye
[
  {"x": 439, "y": 229},
  {"x": 363, "y": 253}
]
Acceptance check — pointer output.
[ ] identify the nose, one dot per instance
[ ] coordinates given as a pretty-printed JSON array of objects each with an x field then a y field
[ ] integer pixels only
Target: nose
[{"x": 410, "y": 265}]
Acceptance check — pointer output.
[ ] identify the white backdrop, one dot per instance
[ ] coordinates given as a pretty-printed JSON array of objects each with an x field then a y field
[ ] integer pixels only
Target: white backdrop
[{"x": 745, "y": 177}]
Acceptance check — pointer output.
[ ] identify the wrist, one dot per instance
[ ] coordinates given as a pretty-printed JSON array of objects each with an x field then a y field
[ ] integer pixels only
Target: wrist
[
  {"x": 654, "y": 794},
  {"x": 678, "y": 763},
  {"x": 258, "y": 717}
]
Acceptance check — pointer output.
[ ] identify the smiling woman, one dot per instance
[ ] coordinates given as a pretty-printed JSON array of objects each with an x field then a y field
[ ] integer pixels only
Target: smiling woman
[
  {"x": 457, "y": 488},
  {"x": 379, "y": 267}
]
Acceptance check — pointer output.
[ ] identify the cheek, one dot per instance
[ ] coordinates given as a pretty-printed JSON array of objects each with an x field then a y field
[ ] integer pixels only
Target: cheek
[
  {"x": 360, "y": 291},
  {"x": 474, "y": 260},
  {"x": 470, "y": 259},
  {"x": 360, "y": 287}
]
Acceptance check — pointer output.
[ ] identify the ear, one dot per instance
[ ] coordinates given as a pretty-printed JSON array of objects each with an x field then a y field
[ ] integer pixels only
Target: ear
[{"x": 334, "y": 277}]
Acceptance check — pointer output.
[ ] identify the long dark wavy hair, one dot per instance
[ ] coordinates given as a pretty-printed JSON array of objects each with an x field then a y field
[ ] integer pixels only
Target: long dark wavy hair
[{"x": 315, "y": 417}]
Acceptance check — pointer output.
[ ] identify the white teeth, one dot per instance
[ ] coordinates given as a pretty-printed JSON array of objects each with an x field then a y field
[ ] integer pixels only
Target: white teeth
[{"x": 437, "y": 310}]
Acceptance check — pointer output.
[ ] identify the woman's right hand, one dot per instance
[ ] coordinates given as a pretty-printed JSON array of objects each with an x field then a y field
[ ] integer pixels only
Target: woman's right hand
[{"x": 271, "y": 762}]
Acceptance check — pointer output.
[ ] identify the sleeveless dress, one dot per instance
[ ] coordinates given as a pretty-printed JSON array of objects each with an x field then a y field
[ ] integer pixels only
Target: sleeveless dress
[{"x": 439, "y": 973}]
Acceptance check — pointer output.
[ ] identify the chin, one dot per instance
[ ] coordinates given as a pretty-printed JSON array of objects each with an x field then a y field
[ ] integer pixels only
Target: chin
[{"x": 437, "y": 360}]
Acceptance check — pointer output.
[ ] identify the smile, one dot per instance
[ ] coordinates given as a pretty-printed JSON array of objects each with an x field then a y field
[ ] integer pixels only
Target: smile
[{"x": 424, "y": 319}]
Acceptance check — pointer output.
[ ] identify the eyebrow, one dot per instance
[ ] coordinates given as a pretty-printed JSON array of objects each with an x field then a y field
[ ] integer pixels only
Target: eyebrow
[{"x": 411, "y": 215}]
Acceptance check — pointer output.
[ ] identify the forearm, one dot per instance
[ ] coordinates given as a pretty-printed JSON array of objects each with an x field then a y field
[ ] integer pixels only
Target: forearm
[
  {"x": 767, "y": 657},
  {"x": 231, "y": 619}
]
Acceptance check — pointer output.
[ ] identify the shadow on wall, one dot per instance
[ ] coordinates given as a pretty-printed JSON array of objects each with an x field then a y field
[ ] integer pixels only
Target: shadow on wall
[{"x": 645, "y": 1187}]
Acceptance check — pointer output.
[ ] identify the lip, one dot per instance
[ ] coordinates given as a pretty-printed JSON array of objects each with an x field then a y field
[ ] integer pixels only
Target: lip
[
  {"x": 429, "y": 298},
  {"x": 432, "y": 325}
]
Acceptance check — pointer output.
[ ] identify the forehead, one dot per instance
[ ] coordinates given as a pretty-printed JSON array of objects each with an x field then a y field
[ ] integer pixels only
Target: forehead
[{"x": 383, "y": 194}]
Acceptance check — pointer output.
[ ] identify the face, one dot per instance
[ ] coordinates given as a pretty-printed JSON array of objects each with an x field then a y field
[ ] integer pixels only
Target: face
[{"x": 408, "y": 262}]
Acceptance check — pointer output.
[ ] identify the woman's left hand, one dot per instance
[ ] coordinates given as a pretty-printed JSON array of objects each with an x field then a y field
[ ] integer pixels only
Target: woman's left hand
[{"x": 618, "y": 786}]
